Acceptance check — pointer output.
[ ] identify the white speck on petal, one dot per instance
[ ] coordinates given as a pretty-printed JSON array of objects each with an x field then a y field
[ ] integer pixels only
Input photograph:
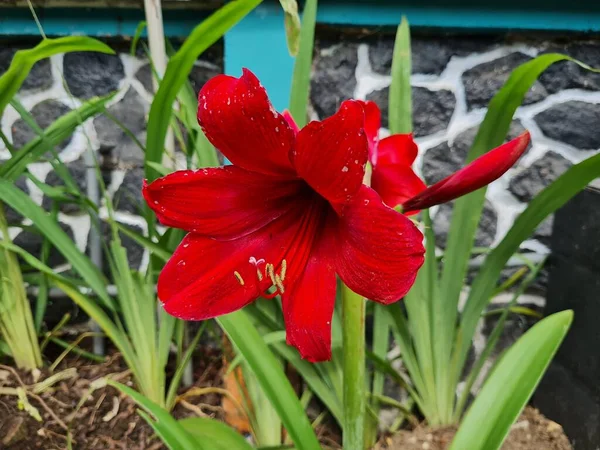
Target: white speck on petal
[
  {"x": 345, "y": 169},
  {"x": 276, "y": 129},
  {"x": 356, "y": 161},
  {"x": 366, "y": 202},
  {"x": 156, "y": 202}
]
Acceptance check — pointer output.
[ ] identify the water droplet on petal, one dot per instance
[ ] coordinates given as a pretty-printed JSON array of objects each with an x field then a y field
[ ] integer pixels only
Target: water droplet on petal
[{"x": 345, "y": 169}]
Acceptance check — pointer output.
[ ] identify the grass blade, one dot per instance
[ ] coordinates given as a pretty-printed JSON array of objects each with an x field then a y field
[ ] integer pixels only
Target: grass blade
[
  {"x": 511, "y": 384},
  {"x": 273, "y": 381}
]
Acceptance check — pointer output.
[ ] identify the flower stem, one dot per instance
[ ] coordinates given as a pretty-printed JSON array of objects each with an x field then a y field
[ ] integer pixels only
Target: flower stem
[{"x": 353, "y": 335}]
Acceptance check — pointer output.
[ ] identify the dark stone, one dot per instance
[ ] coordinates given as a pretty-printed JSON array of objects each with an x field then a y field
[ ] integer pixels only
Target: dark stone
[
  {"x": 128, "y": 196},
  {"x": 563, "y": 398},
  {"x": 573, "y": 122},
  {"x": 483, "y": 81},
  {"x": 12, "y": 216},
  {"x": 135, "y": 251},
  {"x": 543, "y": 232},
  {"x": 144, "y": 76},
  {"x": 40, "y": 76},
  {"x": 445, "y": 159},
  {"x": 538, "y": 286},
  {"x": 432, "y": 110},
  {"x": 78, "y": 171},
  {"x": 31, "y": 241},
  {"x": 540, "y": 174},
  {"x": 90, "y": 74},
  {"x": 333, "y": 79},
  {"x": 44, "y": 113},
  {"x": 200, "y": 75},
  {"x": 429, "y": 55},
  {"x": 485, "y": 233},
  {"x": 116, "y": 145},
  {"x": 567, "y": 74},
  {"x": 576, "y": 231}
]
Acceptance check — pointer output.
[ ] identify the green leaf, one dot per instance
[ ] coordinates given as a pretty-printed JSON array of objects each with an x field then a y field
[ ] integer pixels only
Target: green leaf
[
  {"x": 202, "y": 37},
  {"x": 172, "y": 433},
  {"x": 545, "y": 203},
  {"x": 292, "y": 25},
  {"x": 58, "y": 131},
  {"x": 400, "y": 101},
  {"x": 271, "y": 377},
  {"x": 24, "y": 60},
  {"x": 303, "y": 64},
  {"x": 511, "y": 384},
  {"x": 20, "y": 201},
  {"x": 220, "y": 435}
]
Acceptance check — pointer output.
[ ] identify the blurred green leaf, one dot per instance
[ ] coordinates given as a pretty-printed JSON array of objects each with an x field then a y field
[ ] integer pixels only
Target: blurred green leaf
[
  {"x": 292, "y": 25},
  {"x": 220, "y": 435},
  {"x": 303, "y": 64},
  {"x": 511, "y": 384},
  {"x": 178, "y": 69}
]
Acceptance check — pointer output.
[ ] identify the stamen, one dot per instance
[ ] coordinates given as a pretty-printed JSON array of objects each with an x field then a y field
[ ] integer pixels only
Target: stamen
[
  {"x": 259, "y": 275},
  {"x": 239, "y": 277},
  {"x": 270, "y": 271},
  {"x": 279, "y": 284},
  {"x": 283, "y": 270}
]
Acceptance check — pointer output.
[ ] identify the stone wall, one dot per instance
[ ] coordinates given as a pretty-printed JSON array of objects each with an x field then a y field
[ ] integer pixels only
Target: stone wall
[{"x": 454, "y": 77}]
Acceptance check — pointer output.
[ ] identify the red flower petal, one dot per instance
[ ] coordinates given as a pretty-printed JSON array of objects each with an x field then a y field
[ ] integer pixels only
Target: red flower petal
[
  {"x": 380, "y": 250},
  {"x": 479, "y": 173},
  {"x": 206, "y": 278},
  {"x": 397, "y": 148},
  {"x": 290, "y": 120},
  {"x": 331, "y": 155},
  {"x": 396, "y": 183},
  {"x": 372, "y": 125},
  {"x": 309, "y": 302},
  {"x": 223, "y": 202},
  {"x": 238, "y": 118}
]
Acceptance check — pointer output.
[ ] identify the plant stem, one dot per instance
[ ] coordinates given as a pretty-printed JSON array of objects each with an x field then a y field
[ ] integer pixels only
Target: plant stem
[{"x": 353, "y": 336}]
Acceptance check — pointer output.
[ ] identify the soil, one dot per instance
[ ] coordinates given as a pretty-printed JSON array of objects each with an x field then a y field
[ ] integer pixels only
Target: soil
[
  {"x": 107, "y": 420},
  {"x": 532, "y": 431}
]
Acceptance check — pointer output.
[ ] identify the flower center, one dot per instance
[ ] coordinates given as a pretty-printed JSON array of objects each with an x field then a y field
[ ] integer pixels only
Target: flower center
[{"x": 266, "y": 272}]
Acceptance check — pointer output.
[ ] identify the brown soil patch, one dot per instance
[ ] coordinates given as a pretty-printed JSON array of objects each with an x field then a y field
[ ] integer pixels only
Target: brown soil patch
[
  {"x": 532, "y": 431},
  {"x": 107, "y": 420}
]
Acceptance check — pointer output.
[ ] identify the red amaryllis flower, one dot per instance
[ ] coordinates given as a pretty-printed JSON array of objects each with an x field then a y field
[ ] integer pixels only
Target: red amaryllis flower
[
  {"x": 397, "y": 184},
  {"x": 289, "y": 214}
]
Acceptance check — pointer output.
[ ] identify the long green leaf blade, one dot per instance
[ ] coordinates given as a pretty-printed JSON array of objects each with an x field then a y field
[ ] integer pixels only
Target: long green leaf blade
[
  {"x": 21, "y": 202},
  {"x": 24, "y": 60},
  {"x": 545, "y": 203},
  {"x": 59, "y": 130},
  {"x": 400, "y": 107},
  {"x": 202, "y": 37},
  {"x": 510, "y": 385},
  {"x": 272, "y": 379},
  {"x": 303, "y": 64}
]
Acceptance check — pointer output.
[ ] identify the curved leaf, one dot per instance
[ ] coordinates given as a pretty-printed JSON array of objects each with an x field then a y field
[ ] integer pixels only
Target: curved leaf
[
  {"x": 220, "y": 435},
  {"x": 23, "y": 61},
  {"x": 202, "y": 37},
  {"x": 511, "y": 384}
]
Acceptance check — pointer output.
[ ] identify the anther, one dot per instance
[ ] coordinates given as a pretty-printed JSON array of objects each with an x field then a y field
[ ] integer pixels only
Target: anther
[
  {"x": 283, "y": 270},
  {"x": 279, "y": 284},
  {"x": 239, "y": 277}
]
